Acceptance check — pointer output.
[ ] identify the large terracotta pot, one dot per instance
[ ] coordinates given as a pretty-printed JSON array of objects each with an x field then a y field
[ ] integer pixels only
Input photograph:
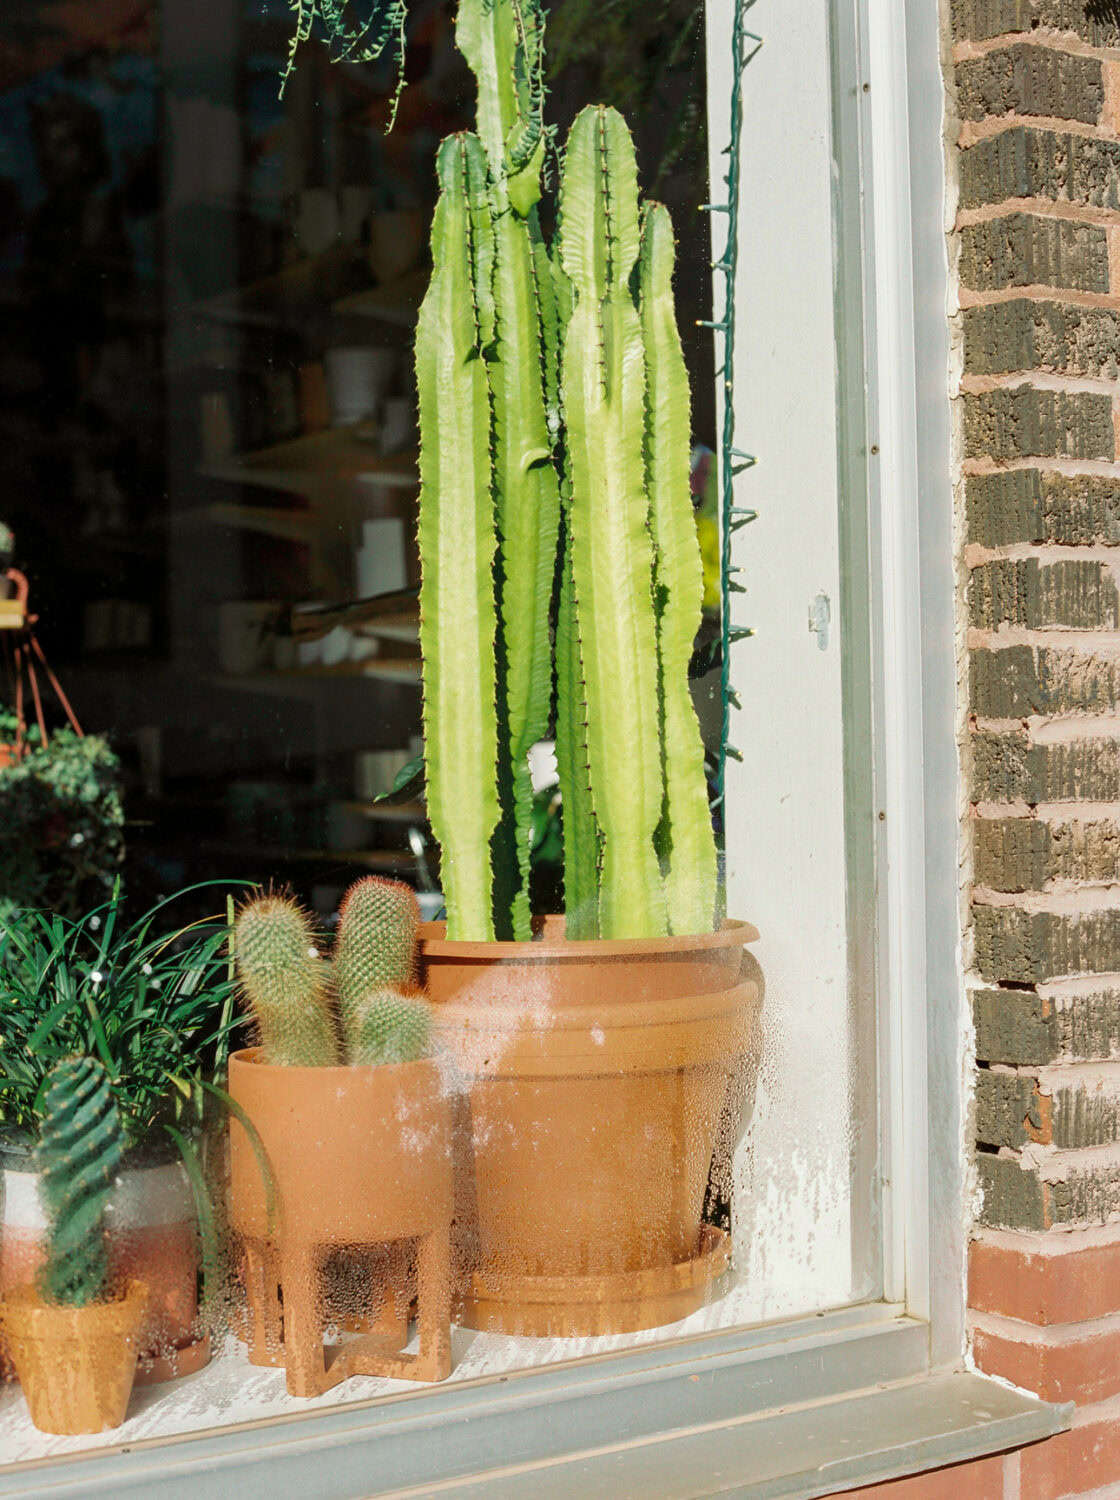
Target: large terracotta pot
[
  {"x": 357, "y": 1158},
  {"x": 151, "y": 1238},
  {"x": 598, "y": 1075},
  {"x": 75, "y": 1364}
]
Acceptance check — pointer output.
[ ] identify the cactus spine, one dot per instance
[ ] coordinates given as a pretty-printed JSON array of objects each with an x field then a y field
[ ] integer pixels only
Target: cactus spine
[
  {"x": 284, "y": 983},
  {"x": 78, "y": 1157},
  {"x": 685, "y": 838},
  {"x": 458, "y": 616}
]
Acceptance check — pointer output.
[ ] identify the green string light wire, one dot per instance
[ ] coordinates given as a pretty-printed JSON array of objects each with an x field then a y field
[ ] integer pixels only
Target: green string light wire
[{"x": 733, "y": 460}]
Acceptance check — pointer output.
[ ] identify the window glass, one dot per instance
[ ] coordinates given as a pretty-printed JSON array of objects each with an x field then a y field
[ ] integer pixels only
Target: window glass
[{"x": 212, "y": 643}]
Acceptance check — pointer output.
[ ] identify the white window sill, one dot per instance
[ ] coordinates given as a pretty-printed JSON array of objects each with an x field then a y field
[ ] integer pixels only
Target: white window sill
[{"x": 803, "y": 1409}]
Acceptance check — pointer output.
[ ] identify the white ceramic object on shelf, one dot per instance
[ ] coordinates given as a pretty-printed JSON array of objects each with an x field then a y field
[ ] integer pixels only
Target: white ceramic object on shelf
[
  {"x": 376, "y": 770},
  {"x": 358, "y": 380},
  {"x": 398, "y": 424},
  {"x": 379, "y": 563}
]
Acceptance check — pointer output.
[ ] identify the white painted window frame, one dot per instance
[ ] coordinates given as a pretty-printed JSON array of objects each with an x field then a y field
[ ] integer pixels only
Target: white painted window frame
[{"x": 731, "y": 1402}]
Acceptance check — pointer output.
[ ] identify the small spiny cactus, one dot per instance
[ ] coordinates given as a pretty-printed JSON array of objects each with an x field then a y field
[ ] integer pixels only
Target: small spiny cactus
[
  {"x": 78, "y": 1157},
  {"x": 384, "y": 1019},
  {"x": 390, "y": 1026},
  {"x": 376, "y": 945},
  {"x": 284, "y": 983}
]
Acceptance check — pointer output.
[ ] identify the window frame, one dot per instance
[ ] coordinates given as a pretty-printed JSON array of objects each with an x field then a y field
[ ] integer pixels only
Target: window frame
[{"x": 894, "y": 290}]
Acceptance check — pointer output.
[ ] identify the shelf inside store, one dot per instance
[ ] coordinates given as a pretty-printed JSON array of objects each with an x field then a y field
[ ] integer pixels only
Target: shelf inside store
[
  {"x": 304, "y": 288},
  {"x": 276, "y": 521},
  {"x": 388, "y": 669},
  {"x": 395, "y": 302},
  {"x": 336, "y": 453},
  {"x": 389, "y": 812},
  {"x": 370, "y": 859}
]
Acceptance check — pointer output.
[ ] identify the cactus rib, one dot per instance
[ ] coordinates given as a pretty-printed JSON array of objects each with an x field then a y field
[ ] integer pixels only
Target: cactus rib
[{"x": 685, "y": 839}]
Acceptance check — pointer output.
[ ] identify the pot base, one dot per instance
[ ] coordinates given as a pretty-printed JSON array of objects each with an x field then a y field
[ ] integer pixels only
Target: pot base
[
  {"x": 586, "y": 1306},
  {"x": 188, "y": 1360}
]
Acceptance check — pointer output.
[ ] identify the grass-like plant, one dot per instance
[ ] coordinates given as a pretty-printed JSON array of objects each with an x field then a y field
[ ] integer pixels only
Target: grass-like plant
[{"x": 151, "y": 1001}]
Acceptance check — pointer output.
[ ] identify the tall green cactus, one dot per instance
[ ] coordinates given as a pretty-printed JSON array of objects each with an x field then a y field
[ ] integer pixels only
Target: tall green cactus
[
  {"x": 603, "y": 380},
  {"x": 78, "y": 1157},
  {"x": 686, "y": 841},
  {"x": 458, "y": 615},
  {"x": 502, "y": 45},
  {"x": 285, "y": 984},
  {"x": 556, "y": 353}
]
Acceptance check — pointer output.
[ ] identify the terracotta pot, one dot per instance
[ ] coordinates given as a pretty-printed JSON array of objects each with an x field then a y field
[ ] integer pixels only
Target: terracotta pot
[
  {"x": 76, "y": 1364},
  {"x": 598, "y": 1075},
  {"x": 150, "y": 1234},
  {"x": 359, "y": 1158}
]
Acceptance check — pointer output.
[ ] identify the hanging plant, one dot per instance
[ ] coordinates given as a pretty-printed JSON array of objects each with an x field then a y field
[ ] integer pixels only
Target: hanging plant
[{"x": 61, "y": 821}]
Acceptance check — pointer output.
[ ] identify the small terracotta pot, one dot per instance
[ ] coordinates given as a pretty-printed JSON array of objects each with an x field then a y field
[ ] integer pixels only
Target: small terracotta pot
[
  {"x": 150, "y": 1237},
  {"x": 358, "y": 1158},
  {"x": 76, "y": 1364},
  {"x": 598, "y": 1074}
]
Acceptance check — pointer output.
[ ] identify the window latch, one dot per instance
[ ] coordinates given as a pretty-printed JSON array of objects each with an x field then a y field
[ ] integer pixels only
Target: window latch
[{"x": 820, "y": 617}]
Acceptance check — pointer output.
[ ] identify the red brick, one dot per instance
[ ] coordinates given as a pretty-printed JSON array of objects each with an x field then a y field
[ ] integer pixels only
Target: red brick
[
  {"x": 982, "y": 1480},
  {"x": 1085, "y": 1458},
  {"x": 1068, "y": 1282},
  {"x": 1067, "y": 1366}
]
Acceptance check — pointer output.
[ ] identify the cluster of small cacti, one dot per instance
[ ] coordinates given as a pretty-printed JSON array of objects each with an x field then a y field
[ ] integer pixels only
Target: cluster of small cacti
[
  {"x": 552, "y": 384},
  {"x": 363, "y": 1008},
  {"x": 79, "y": 1154}
]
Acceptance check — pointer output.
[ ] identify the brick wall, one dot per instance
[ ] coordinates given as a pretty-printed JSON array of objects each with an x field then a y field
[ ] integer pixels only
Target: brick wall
[{"x": 1034, "y": 106}]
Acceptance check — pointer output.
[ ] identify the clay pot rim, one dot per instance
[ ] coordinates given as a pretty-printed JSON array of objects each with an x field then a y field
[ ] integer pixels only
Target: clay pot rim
[
  {"x": 25, "y": 1301},
  {"x": 252, "y": 1055},
  {"x": 433, "y": 944}
]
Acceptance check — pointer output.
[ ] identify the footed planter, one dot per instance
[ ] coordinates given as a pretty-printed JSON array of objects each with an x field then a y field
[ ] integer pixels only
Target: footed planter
[
  {"x": 76, "y": 1364},
  {"x": 151, "y": 1238},
  {"x": 358, "y": 1160},
  {"x": 598, "y": 1075}
]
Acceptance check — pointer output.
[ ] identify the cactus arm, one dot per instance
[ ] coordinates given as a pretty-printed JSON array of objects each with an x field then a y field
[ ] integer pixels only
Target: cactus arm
[
  {"x": 603, "y": 380},
  {"x": 686, "y": 834},
  {"x": 391, "y": 1026},
  {"x": 503, "y": 43},
  {"x": 494, "y": 38},
  {"x": 527, "y": 497},
  {"x": 375, "y": 950},
  {"x": 581, "y": 835},
  {"x": 79, "y": 1154},
  {"x": 284, "y": 983},
  {"x": 458, "y": 618}
]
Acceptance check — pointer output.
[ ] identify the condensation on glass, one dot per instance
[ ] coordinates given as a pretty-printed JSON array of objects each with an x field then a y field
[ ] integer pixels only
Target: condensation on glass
[{"x": 211, "y": 422}]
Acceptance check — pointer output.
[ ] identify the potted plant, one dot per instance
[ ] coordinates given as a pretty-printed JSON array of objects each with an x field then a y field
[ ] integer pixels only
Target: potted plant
[
  {"x": 156, "y": 1008},
  {"x": 554, "y": 415},
  {"x": 73, "y": 1335},
  {"x": 349, "y": 1113}
]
